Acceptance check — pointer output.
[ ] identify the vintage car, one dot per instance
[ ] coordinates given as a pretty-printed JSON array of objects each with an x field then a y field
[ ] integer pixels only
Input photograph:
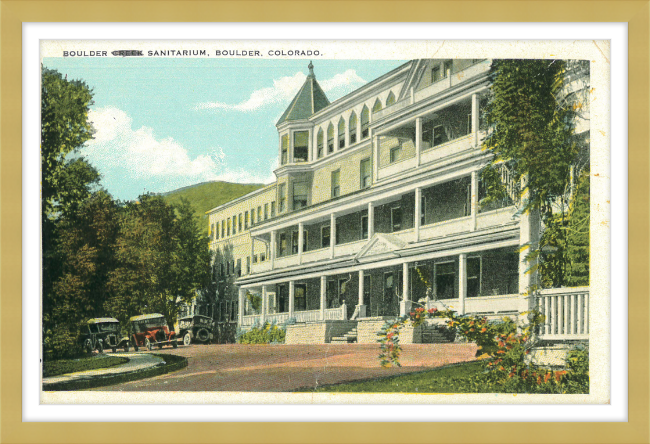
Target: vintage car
[
  {"x": 101, "y": 333},
  {"x": 195, "y": 328},
  {"x": 149, "y": 330}
]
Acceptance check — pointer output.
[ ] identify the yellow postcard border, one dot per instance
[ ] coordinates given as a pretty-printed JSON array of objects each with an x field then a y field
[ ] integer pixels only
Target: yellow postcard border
[{"x": 13, "y": 13}]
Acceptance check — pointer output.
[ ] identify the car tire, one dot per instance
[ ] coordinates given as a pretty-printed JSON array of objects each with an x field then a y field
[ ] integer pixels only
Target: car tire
[
  {"x": 135, "y": 344},
  {"x": 88, "y": 346},
  {"x": 160, "y": 346},
  {"x": 126, "y": 347},
  {"x": 148, "y": 344},
  {"x": 114, "y": 349},
  {"x": 203, "y": 335},
  {"x": 175, "y": 343},
  {"x": 187, "y": 339},
  {"x": 100, "y": 347}
]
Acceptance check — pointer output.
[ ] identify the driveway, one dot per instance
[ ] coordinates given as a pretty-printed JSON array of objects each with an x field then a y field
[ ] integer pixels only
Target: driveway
[{"x": 280, "y": 368}]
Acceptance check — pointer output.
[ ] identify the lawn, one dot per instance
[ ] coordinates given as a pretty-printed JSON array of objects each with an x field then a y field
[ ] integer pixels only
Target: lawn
[{"x": 62, "y": 366}]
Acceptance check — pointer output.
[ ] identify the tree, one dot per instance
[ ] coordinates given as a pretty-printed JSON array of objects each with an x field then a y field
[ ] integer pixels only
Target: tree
[{"x": 531, "y": 136}]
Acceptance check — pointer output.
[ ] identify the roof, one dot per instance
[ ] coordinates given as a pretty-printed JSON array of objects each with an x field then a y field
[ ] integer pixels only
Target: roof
[
  {"x": 147, "y": 316},
  {"x": 310, "y": 99},
  {"x": 101, "y": 320}
]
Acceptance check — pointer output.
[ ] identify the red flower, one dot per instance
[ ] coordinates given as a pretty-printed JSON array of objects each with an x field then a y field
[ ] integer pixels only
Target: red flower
[
  {"x": 547, "y": 377},
  {"x": 483, "y": 330},
  {"x": 412, "y": 314}
]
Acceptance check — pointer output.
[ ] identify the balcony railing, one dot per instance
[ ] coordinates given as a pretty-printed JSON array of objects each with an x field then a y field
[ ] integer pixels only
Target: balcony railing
[
  {"x": 499, "y": 304},
  {"x": 331, "y": 314},
  {"x": 566, "y": 311}
]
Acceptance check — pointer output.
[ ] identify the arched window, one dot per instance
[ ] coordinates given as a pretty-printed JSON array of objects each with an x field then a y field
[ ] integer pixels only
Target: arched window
[
  {"x": 365, "y": 122},
  {"x": 285, "y": 149},
  {"x": 330, "y": 139},
  {"x": 390, "y": 100},
  {"x": 377, "y": 106},
  {"x": 353, "y": 128},
  {"x": 341, "y": 133},
  {"x": 320, "y": 143}
]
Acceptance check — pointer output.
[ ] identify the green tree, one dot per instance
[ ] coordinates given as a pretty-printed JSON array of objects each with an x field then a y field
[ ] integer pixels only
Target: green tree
[{"x": 578, "y": 233}]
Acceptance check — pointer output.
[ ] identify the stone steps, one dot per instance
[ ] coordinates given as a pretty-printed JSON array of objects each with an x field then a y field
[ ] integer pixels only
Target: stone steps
[{"x": 347, "y": 338}]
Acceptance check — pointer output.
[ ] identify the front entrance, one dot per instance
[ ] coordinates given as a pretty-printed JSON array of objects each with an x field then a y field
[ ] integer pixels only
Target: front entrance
[{"x": 390, "y": 304}]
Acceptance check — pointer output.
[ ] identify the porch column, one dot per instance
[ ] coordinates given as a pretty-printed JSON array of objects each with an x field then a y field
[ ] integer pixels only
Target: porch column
[
  {"x": 361, "y": 307},
  {"x": 529, "y": 226},
  {"x": 273, "y": 248},
  {"x": 418, "y": 213},
  {"x": 474, "y": 200},
  {"x": 371, "y": 220},
  {"x": 405, "y": 304},
  {"x": 241, "y": 302},
  {"x": 265, "y": 304},
  {"x": 475, "y": 121},
  {"x": 301, "y": 241},
  {"x": 418, "y": 140},
  {"x": 332, "y": 234},
  {"x": 292, "y": 301},
  {"x": 462, "y": 282},
  {"x": 323, "y": 295}
]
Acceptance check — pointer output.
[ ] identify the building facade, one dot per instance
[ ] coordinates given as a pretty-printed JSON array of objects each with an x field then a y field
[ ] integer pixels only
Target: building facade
[{"x": 375, "y": 210}]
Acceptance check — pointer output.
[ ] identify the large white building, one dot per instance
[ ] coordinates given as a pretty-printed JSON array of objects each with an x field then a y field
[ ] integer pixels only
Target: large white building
[{"x": 376, "y": 209}]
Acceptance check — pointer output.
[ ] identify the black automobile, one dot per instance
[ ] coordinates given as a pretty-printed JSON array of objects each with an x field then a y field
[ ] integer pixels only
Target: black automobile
[
  {"x": 196, "y": 328},
  {"x": 101, "y": 333}
]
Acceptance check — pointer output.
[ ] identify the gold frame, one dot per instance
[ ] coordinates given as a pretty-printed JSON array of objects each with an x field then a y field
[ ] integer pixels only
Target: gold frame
[{"x": 13, "y": 13}]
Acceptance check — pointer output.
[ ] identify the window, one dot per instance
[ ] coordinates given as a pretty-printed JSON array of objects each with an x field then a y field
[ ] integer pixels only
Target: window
[
  {"x": 341, "y": 133},
  {"x": 273, "y": 209},
  {"x": 395, "y": 153},
  {"x": 252, "y": 217},
  {"x": 259, "y": 214},
  {"x": 330, "y": 139},
  {"x": 376, "y": 107},
  {"x": 245, "y": 220},
  {"x": 283, "y": 244},
  {"x": 469, "y": 124},
  {"x": 223, "y": 228},
  {"x": 262, "y": 257},
  {"x": 285, "y": 150},
  {"x": 366, "y": 173},
  {"x": 282, "y": 197},
  {"x": 221, "y": 269},
  {"x": 445, "y": 278},
  {"x": 353, "y": 128},
  {"x": 266, "y": 211},
  {"x": 325, "y": 237},
  {"x": 423, "y": 209},
  {"x": 390, "y": 100},
  {"x": 439, "y": 71},
  {"x": 300, "y": 195},
  {"x": 396, "y": 219},
  {"x": 254, "y": 259},
  {"x": 300, "y": 146},
  {"x": 212, "y": 235},
  {"x": 300, "y": 297},
  {"x": 364, "y": 226},
  {"x": 228, "y": 268},
  {"x": 366, "y": 291},
  {"x": 238, "y": 269},
  {"x": 294, "y": 242},
  {"x": 337, "y": 236},
  {"x": 228, "y": 227},
  {"x": 234, "y": 225},
  {"x": 473, "y": 276},
  {"x": 248, "y": 264},
  {"x": 319, "y": 143},
  {"x": 365, "y": 123},
  {"x": 239, "y": 222},
  {"x": 336, "y": 185}
]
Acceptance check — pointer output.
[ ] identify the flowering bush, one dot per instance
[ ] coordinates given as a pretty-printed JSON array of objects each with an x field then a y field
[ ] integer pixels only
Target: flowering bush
[{"x": 266, "y": 334}]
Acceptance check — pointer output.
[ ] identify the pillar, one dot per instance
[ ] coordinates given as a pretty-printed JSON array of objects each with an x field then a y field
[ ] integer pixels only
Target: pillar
[
  {"x": 371, "y": 220},
  {"x": 418, "y": 140},
  {"x": 332, "y": 234},
  {"x": 462, "y": 282},
  {"x": 323, "y": 296},
  {"x": 475, "y": 119},
  {"x": 474, "y": 200},
  {"x": 241, "y": 302},
  {"x": 405, "y": 304},
  {"x": 265, "y": 304},
  {"x": 418, "y": 213},
  {"x": 292, "y": 299},
  {"x": 529, "y": 226},
  {"x": 274, "y": 248},
  {"x": 301, "y": 241},
  {"x": 361, "y": 308}
]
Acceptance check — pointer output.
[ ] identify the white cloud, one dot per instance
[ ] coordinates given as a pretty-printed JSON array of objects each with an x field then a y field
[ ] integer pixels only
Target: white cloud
[
  {"x": 118, "y": 150},
  {"x": 285, "y": 88}
]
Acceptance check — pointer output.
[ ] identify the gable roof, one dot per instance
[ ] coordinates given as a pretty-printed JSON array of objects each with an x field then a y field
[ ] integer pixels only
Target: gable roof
[{"x": 310, "y": 99}]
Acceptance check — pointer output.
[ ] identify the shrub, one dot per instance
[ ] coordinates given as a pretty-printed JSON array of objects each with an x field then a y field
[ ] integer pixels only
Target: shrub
[{"x": 266, "y": 334}]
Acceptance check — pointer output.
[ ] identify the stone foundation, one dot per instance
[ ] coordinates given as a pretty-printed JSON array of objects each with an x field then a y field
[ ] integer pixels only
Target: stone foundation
[
  {"x": 367, "y": 329},
  {"x": 317, "y": 332}
]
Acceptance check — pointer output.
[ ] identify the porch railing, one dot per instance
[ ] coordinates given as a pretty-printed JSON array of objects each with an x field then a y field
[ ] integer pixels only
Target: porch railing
[
  {"x": 331, "y": 314},
  {"x": 566, "y": 311}
]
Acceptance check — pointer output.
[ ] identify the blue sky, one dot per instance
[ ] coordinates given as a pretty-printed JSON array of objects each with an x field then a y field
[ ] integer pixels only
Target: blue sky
[{"x": 165, "y": 123}]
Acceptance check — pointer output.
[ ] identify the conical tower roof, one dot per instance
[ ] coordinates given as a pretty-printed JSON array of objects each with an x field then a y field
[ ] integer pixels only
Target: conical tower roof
[{"x": 309, "y": 100}]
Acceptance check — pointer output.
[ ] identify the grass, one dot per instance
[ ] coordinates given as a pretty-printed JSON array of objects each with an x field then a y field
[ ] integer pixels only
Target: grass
[
  {"x": 62, "y": 366},
  {"x": 172, "y": 364},
  {"x": 450, "y": 379}
]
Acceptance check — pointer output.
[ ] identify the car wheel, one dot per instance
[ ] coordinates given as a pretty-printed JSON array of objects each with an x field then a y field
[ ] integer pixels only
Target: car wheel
[
  {"x": 175, "y": 343},
  {"x": 160, "y": 346},
  {"x": 126, "y": 347},
  {"x": 100, "y": 347},
  {"x": 114, "y": 349},
  {"x": 88, "y": 346},
  {"x": 203, "y": 335},
  {"x": 148, "y": 344},
  {"x": 187, "y": 339},
  {"x": 135, "y": 344}
]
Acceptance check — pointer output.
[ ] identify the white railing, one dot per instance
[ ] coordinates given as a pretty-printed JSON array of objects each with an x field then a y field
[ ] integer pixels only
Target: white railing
[
  {"x": 316, "y": 255},
  {"x": 349, "y": 248},
  {"x": 470, "y": 71},
  {"x": 396, "y": 168},
  {"x": 286, "y": 261},
  {"x": 445, "y": 228},
  {"x": 450, "y": 148},
  {"x": 277, "y": 318},
  {"x": 336, "y": 314},
  {"x": 566, "y": 311},
  {"x": 261, "y": 267},
  {"x": 250, "y": 320},
  {"x": 307, "y": 316},
  {"x": 493, "y": 218}
]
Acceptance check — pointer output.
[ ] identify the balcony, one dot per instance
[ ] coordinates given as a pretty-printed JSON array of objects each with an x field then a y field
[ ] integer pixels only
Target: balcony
[{"x": 447, "y": 149}]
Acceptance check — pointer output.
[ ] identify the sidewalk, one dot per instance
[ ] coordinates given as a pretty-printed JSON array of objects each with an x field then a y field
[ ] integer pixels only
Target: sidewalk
[{"x": 137, "y": 362}]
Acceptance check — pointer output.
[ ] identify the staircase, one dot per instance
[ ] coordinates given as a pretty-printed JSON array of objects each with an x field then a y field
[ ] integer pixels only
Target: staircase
[{"x": 348, "y": 338}]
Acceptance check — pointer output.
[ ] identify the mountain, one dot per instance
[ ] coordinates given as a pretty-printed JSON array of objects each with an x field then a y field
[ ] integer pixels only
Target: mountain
[{"x": 207, "y": 195}]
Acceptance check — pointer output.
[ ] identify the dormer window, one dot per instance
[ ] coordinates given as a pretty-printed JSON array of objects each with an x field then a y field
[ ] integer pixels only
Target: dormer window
[
  {"x": 365, "y": 123},
  {"x": 341, "y": 133},
  {"x": 330, "y": 139},
  {"x": 300, "y": 146},
  {"x": 390, "y": 100},
  {"x": 320, "y": 143},
  {"x": 353, "y": 128},
  {"x": 285, "y": 150}
]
